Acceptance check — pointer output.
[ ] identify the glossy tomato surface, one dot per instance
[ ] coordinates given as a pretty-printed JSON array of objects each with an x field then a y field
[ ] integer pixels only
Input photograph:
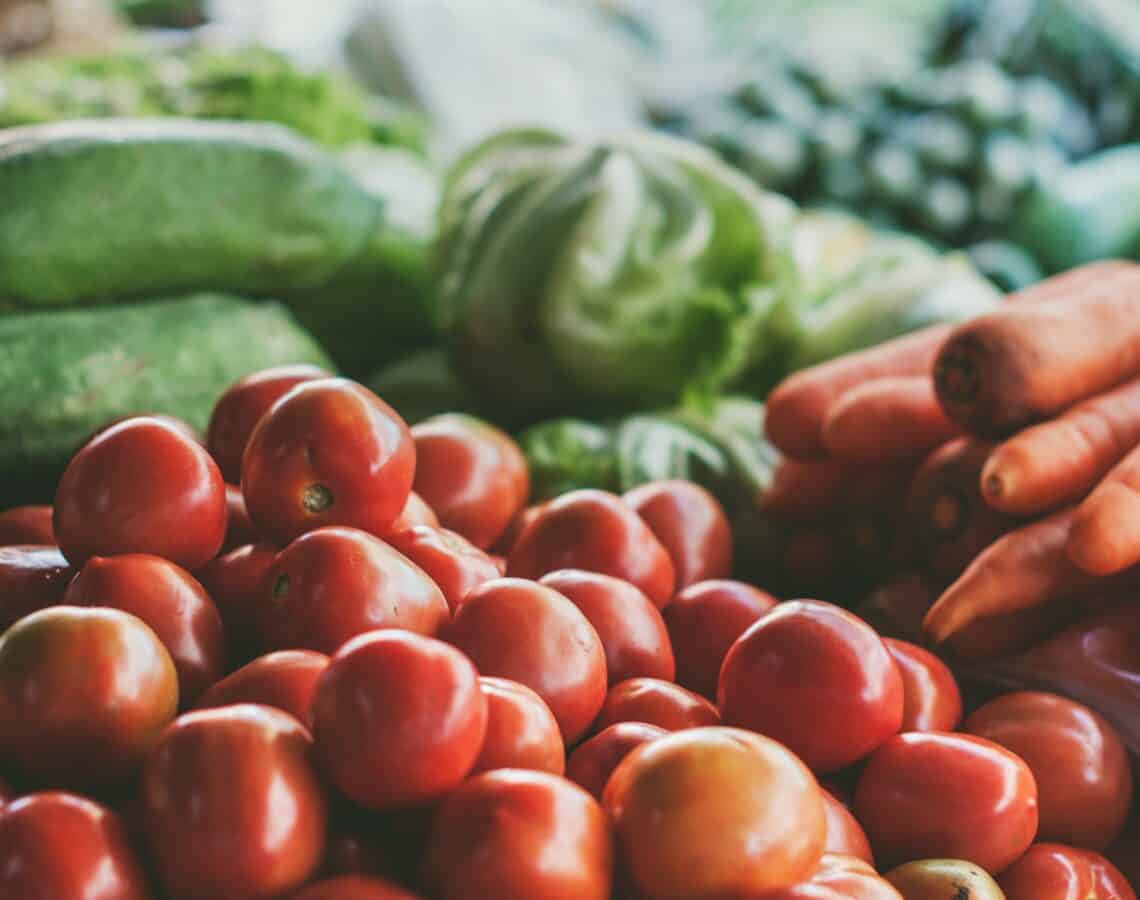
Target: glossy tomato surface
[
  {"x": 83, "y": 695},
  {"x": 522, "y": 732},
  {"x": 985, "y": 798},
  {"x": 841, "y": 878},
  {"x": 235, "y": 583},
  {"x": 334, "y": 583},
  {"x": 629, "y": 626},
  {"x": 26, "y": 525},
  {"x": 656, "y": 702},
  {"x": 455, "y": 564},
  {"x": 1056, "y": 872},
  {"x": 399, "y": 719},
  {"x": 512, "y": 834},
  {"x": 508, "y": 539},
  {"x": 232, "y": 805},
  {"x": 805, "y": 657},
  {"x": 595, "y": 531},
  {"x": 593, "y": 761},
  {"x": 415, "y": 512},
  {"x": 31, "y": 577},
  {"x": 944, "y": 879},
  {"x": 141, "y": 486},
  {"x": 57, "y": 846},
  {"x": 845, "y": 836},
  {"x": 329, "y": 452},
  {"x": 285, "y": 680},
  {"x": 690, "y": 524},
  {"x": 239, "y": 526},
  {"x": 931, "y": 699},
  {"x": 530, "y": 633},
  {"x": 353, "y": 887},
  {"x": 473, "y": 476}
]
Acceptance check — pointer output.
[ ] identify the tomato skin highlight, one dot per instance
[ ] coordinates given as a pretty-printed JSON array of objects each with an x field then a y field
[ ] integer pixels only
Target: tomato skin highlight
[
  {"x": 522, "y": 732},
  {"x": 931, "y": 699},
  {"x": 656, "y": 702},
  {"x": 285, "y": 680},
  {"x": 1055, "y": 872},
  {"x": 845, "y": 836},
  {"x": 455, "y": 564},
  {"x": 594, "y": 760}
]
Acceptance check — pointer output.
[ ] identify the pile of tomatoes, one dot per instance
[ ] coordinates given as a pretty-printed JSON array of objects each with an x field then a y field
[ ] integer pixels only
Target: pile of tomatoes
[{"x": 318, "y": 655}]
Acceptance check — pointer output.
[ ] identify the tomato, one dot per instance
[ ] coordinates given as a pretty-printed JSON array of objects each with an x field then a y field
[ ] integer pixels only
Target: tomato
[
  {"x": 399, "y": 719},
  {"x": 232, "y": 805},
  {"x": 517, "y": 525},
  {"x": 239, "y": 526},
  {"x": 358, "y": 853},
  {"x": 329, "y": 452},
  {"x": 353, "y": 887},
  {"x": 804, "y": 657},
  {"x": 168, "y": 599},
  {"x": 243, "y": 404},
  {"x": 455, "y": 564},
  {"x": 1083, "y": 773},
  {"x": 841, "y": 878},
  {"x": 471, "y": 474},
  {"x": 931, "y": 700},
  {"x": 931, "y": 794},
  {"x": 593, "y": 761},
  {"x": 845, "y": 836},
  {"x": 704, "y": 621},
  {"x": 715, "y": 811},
  {"x": 56, "y": 846},
  {"x": 656, "y": 702},
  {"x": 1056, "y": 872},
  {"x": 531, "y": 634},
  {"x": 141, "y": 486},
  {"x": 83, "y": 695},
  {"x": 334, "y": 583},
  {"x": 285, "y": 680},
  {"x": 522, "y": 732},
  {"x": 512, "y": 834},
  {"x": 629, "y": 626},
  {"x": 234, "y": 582},
  {"x": 690, "y": 524},
  {"x": 595, "y": 531},
  {"x": 26, "y": 525},
  {"x": 415, "y": 512},
  {"x": 31, "y": 578},
  {"x": 944, "y": 879}
]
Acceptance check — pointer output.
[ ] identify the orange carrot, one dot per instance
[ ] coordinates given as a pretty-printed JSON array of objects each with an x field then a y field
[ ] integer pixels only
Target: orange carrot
[{"x": 1105, "y": 537}]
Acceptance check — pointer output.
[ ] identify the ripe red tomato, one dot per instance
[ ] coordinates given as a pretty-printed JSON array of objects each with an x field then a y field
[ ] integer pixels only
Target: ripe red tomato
[
  {"x": 531, "y": 634},
  {"x": 358, "y": 852},
  {"x": 399, "y": 719},
  {"x": 931, "y": 699},
  {"x": 712, "y": 812},
  {"x": 1083, "y": 773},
  {"x": 471, "y": 474},
  {"x": 56, "y": 846},
  {"x": 984, "y": 796},
  {"x": 168, "y": 599},
  {"x": 629, "y": 626},
  {"x": 31, "y": 578},
  {"x": 178, "y": 425},
  {"x": 593, "y": 761},
  {"x": 285, "y": 680},
  {"x": 704, "y": 621},
  {"x": 232, "y": 805},
  {"x": 415, "y": 512},
  {"x": 455, "y": 564},
  {"x": 1056, "y": 872},
  {"x": 83, "y": 694},
  {"x": 353, "y": 887},
  {"x": 690, "y": 524},
  {"x": 595, "y": 531},
  {"x": 26, "y": 525},
  {"x": 804, "y": 657},
  {"x": 235, "y": 582},
  {"x": 522, "y": 732},
  {"x": 513, "y": 833},
  {"x": 840, "y": 878},
  {"x": 334, "y": 583},
  {"x": 656, "y": 702},
  {"x": 141, "y": 486},
  {"x": 845, "y": 836},
  {"x": 239, "y": 526},
  {"x": 329, "y": 452},
  {"x": 508, "y": 539},
  {"x": 242, "y": 405}
]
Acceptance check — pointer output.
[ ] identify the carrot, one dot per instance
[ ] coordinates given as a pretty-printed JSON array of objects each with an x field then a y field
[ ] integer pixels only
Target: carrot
[
  {"x": 1105, "y": 537},
  {"x": 1057, "y": 463},
  {"x": 803, "y": 489},
  {"x": 1024, "y": 363}
]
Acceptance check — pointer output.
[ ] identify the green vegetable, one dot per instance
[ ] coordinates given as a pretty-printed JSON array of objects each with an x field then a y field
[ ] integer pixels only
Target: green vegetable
[
  {"x": 164, "y": 13},
  {"x": 568, "y": 454},
  {"x": 421, "y": 385}
]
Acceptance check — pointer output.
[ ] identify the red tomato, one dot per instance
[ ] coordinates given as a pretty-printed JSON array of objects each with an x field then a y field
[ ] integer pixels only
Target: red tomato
[
  {"x": 656, "y": 702},
  {"x": 83, "y": 694},
  {"x": 353, "y": 887},
  {"x": 178, "y": 425},
  {"x": 522, "y": 732},
  {"x": 232, "y": 805},
  {"x": 840, "y": 877},
  {"x": 415, "y": 512},
  {"x": 1056, "y": 872},
  {"x": 329, "y": 452},
  {"x": 931, "y": 700},
  {"x": 285, "y": 680},
  {"x": 455, "y": 564},
  {"x": 510, "y": 536},
  {"x": 168, "y": 599},
  {"x": 712, "y": 812},
  {"x": 1083, "y": 773},
  {"x": 334, "y": 583},
  {"x": 629, "y": 626},
  {"x": 515, "y": 834},
  {"x": 593, "y": 761},
  {"x": 935, "y": 795},
  {"x": 471, "y": 474},
  {"x": 56, "y": 846},
  {"x": 399, "y": 719},
  {"x": 26, "y": 525},
  {"x": 239, "y": 526},
  {"x": 595, "y": 531},
  {"x": 690, "y": 524},
  {"x": 358, "y": 853},
  {"x": 845, "y": 836},
  {"x": 31, "y": 578},
  {"x": 704, "y": 621},
  {"x": 141, "y": 486},
  {"x": 531, "y": 634},
  {"x": 241, "y": 407},
  {"x": 804, "y": 657},
  {"x": 235, "y": 582}
]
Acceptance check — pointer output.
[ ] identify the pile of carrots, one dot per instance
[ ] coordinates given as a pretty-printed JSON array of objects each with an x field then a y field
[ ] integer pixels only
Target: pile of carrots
[{"x": 1002, "y": 457}]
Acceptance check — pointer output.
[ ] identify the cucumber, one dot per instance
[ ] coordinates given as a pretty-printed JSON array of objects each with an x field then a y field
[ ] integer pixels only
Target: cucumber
[{"x": 63, "y": 374}]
